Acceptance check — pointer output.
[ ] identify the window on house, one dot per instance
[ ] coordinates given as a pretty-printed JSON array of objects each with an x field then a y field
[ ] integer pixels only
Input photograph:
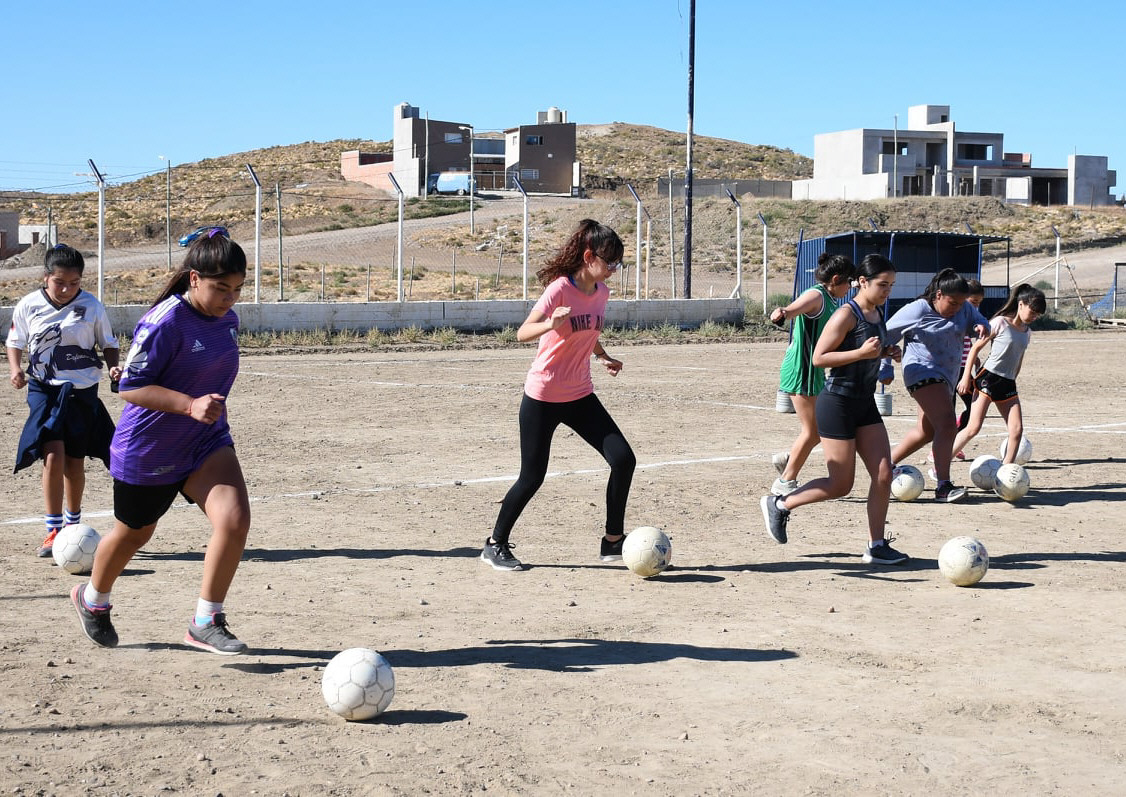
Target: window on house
[
  {"x": 529, "y": 174},
  {"x": 453, "y": 138},
  {"x": 533, "y": 141},
  {"x": 889, "y": 147},
  {"x": 975, "y": 152}
]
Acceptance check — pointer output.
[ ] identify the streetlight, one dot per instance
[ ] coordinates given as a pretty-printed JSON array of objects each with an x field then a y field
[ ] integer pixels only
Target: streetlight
[
  {"x": 168, "y": 208},
  {"x": 257, "y": 232},
  {"x": 472, "y": 185}
]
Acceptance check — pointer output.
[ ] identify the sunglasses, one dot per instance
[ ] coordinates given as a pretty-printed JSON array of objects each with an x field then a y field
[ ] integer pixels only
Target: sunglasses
[{"x": 612, "y": 267}]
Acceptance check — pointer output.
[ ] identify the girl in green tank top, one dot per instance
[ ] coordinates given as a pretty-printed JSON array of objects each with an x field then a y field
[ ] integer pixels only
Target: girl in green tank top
[{"x": 810, "y": 312}]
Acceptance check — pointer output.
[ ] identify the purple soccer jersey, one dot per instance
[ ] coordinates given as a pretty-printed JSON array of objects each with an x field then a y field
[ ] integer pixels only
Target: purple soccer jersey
[{"x": 175, "y": 347}]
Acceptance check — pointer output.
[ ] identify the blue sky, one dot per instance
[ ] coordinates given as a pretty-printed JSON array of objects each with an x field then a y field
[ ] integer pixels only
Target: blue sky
[{"x": 125, "y": 82}]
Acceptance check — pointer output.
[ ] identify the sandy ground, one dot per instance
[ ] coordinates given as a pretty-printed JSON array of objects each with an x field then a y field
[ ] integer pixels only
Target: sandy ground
[{"x": 747, "y": 668}]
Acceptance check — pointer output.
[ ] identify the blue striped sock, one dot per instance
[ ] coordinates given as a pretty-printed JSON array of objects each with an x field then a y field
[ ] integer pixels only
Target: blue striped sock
[
  {"x": 53, "y": 522},
  {"x": 73, "y": 518}
]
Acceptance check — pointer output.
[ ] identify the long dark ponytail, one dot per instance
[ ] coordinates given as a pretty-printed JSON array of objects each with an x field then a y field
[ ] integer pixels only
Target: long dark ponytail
[
  {"x": 1033, "y": 297},
  {"x": 211, "y": 255}
]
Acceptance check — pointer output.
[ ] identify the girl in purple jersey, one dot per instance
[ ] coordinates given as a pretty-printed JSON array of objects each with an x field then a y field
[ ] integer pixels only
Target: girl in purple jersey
[{"x": 173, "y": 438}]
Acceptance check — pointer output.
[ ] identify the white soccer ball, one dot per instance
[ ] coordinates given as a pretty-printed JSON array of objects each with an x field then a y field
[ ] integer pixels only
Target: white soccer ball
[
  {"x": 907, "y": 482},
  {"x": 1011, "y": 482},
  {"x": 358, "y": 684},
  {"x": 74, "y": 547},
  {"x": 647, "y": 551},
  {"x": 984, "y": 470},
  {"x": 963, "y": 560},
  {"x": 1024, "y": 450}
]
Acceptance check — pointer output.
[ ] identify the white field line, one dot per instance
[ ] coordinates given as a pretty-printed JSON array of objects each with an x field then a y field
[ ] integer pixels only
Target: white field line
[{"x": 1104, "y": 428}]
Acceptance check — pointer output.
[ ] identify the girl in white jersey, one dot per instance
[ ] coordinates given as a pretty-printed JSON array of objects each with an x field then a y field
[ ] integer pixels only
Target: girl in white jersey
[
  {"x": 567, "y": 320},
  {"x": 60, "y": 326},
  {"x": 1009, "y": 335}
]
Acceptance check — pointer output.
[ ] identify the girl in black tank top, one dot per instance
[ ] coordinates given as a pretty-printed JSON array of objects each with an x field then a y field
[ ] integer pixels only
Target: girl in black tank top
[{"x": 851, "y": 346}]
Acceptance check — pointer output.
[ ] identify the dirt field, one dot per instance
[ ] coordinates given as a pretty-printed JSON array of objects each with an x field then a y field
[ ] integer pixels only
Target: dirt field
[{"x": 747, "y": 668}]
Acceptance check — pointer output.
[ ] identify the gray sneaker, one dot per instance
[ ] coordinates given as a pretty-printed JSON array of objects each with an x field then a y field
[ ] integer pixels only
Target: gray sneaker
[
  {"x": 776, "y": 518},
  {"x": 499, "y": 555},
  {"x": 95, "y": 622},
  {"x": 215, "y": 637},
  {"x": 883, "y": 554},
  {"x": 948, "y": 493}
]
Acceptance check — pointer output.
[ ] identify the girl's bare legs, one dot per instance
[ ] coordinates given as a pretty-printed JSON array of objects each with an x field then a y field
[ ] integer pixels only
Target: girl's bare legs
[
  {"x": 936, "y": 425},
  {"x": 1014, "y": 420},
  {"x": 219, "y": 489},
  {"x": 978, "y": 410},
  {"x": 74, "y": 482},
  {"x": 114, "y": 552},
  {"x": 875, "y": 452},
  {"x": 807, "y": 439},
  {"x": 840, "y": 461},
  {"x": 54, "y": 470}
]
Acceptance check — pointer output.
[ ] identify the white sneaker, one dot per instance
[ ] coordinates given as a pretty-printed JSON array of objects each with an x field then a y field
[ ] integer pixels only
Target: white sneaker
[
  {"x": 780, "y": 461},
  {"x": 783, "y": 487}
]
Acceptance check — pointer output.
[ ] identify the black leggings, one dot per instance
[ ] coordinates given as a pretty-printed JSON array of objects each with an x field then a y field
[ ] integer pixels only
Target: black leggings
[{"x": 591, "y": 422}]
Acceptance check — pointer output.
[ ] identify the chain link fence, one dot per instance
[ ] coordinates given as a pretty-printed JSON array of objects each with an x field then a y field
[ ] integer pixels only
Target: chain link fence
[{"x": 339, "y": 242}]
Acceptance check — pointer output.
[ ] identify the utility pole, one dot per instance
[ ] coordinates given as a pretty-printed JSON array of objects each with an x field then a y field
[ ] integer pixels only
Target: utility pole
[
  {"x": 101, "y": 226},
  {"x": 257, "y": 232},
  {"x": 688, "y": 170},
  {"x": 168, "y": 208}
]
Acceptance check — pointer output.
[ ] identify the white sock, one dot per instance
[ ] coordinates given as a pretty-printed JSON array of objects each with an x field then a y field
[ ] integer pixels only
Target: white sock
[
  {"x": 876, "y": 543},
  {"x": 95, "y": 599},
  {"x": 205, "y": 609}
]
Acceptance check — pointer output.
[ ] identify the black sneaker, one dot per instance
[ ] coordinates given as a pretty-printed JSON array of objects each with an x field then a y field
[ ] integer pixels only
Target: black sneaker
[
  {"x": 883, "y": 554},
  {"x": 215, "y": 637},
  {"x": 95, "y": 622},
  {"x": 499, "y": 555},
  {"x": 776, "y": 518},
  {"x": 948, "y": 493},
  {"x": 611, "y": 551}
]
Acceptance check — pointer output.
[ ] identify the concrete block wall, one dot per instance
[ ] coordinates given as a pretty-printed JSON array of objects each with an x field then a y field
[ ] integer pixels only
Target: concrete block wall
[{"x": 467, "y": 316}]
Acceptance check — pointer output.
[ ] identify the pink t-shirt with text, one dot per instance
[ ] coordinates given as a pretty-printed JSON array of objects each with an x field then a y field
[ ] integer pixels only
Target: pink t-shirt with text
[{"x": 561, "y": 370}]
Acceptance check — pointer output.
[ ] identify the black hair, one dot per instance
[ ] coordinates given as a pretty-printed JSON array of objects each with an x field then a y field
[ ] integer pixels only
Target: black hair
[
  {"x": 63, "y": 256},
  {"x": 973, "y": 288},
  {"x": 949, "y": 282},
  {"x": 829, "y": 266},
  {"x": 598, "y": 238},
  {"x": 1033, "y": 297},
  {"x": 210, "y": 256},
  {"x": 873, "y": 265}
]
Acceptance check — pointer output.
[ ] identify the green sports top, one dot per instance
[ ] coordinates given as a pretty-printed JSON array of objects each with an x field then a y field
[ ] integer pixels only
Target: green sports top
[{"x": 799, "y": 375}]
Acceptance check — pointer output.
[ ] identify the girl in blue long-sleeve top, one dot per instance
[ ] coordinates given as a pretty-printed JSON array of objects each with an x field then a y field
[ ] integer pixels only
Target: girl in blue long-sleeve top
[{"x": 933, "y": 328}]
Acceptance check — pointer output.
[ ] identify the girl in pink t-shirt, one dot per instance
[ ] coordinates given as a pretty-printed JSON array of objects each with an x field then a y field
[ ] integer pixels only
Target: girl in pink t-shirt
[{"x": 567, "y": 321}]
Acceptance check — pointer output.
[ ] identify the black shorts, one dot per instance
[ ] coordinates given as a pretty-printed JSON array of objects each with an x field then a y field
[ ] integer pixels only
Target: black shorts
[
  {"x": 998, "y": 388},
  {"x": 140, "y": 505},
  {"x": 838, "y": 417}
]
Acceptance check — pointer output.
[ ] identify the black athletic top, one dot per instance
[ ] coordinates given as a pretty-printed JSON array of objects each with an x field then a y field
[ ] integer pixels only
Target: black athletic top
[{"x": 858, "y": 378}]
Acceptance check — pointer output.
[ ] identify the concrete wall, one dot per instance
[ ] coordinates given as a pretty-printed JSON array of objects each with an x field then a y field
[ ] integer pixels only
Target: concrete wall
[
  {"x": 9, "y": 235},
  {"x": 1089, "y": 180},
  {"x": 373, "y": 174},
  {"x": 469, "y": 316},
  {"x": 554, "y": 158},
  {"x": 860, "y": 186}
]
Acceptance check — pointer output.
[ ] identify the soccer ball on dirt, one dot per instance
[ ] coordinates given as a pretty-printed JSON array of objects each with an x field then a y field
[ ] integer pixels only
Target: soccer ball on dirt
[
  {"x": 963, "y": 560},
  {"x": 74, "y": 547},
  {"x": 647, "y": 551},
  {"x": 1024, "y": 450},
  {"x": 907, "y": 482},
  {"x": 983, "y": 471},
  {"x": 358, "y": 684},
  {"x": 1011, "y": 482}
]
